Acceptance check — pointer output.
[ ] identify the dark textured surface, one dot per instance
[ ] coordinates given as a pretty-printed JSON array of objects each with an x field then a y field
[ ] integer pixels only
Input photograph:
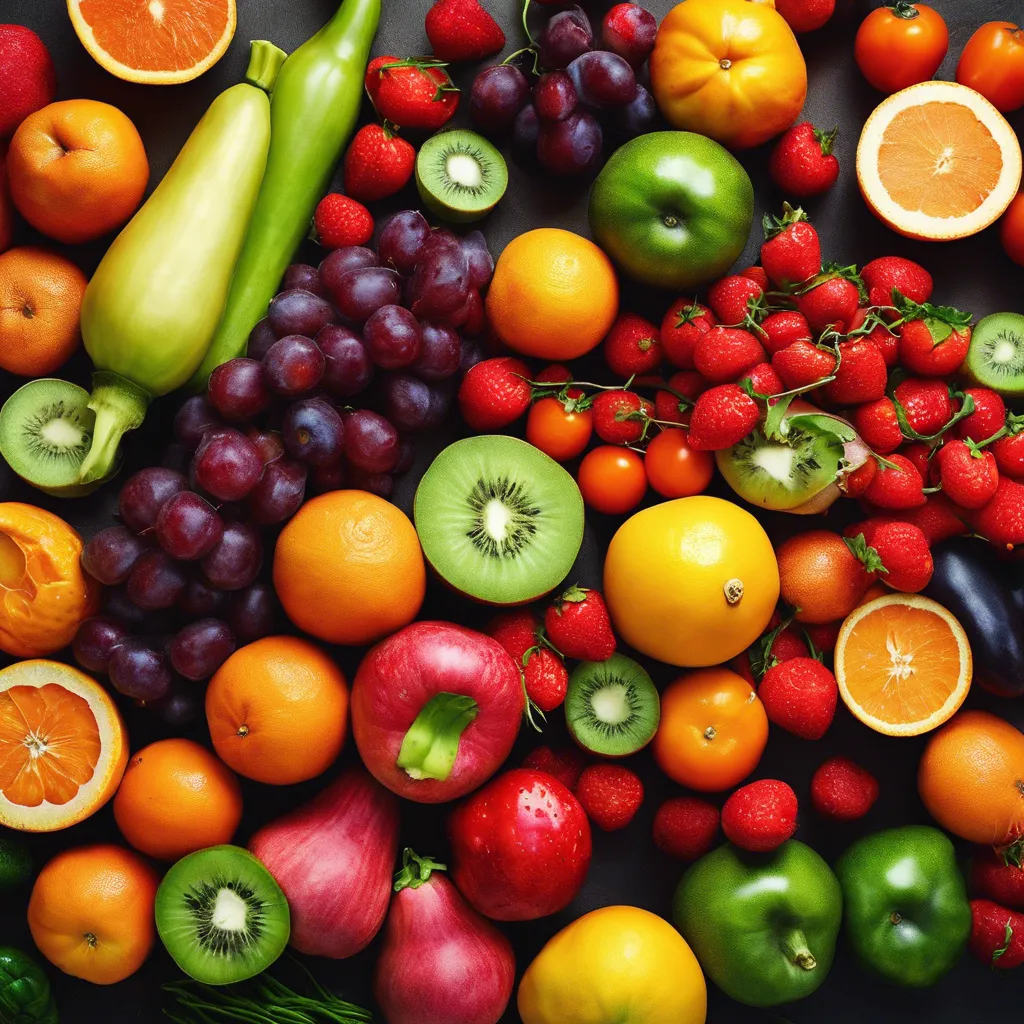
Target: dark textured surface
[{"x": 973, "y": 274}]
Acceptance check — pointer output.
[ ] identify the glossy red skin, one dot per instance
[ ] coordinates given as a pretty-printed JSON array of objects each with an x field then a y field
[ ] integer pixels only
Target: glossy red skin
[
  {"x": 402, "y": 673},
  {"x": 520, "y": 847},
  {"x": 441, "y": 962},
  {"x": 334, "y": 859}
]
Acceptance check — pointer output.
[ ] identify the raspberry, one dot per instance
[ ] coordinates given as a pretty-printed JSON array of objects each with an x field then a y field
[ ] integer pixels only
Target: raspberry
[{"x": 842, "y": 790}]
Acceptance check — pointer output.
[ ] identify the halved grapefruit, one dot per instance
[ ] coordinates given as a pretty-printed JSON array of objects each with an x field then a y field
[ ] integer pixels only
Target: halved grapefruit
[
  {"x": 156, "y": 42},
  {"x": 63, "y": 746},
  {"x": 937, "y": 161}
]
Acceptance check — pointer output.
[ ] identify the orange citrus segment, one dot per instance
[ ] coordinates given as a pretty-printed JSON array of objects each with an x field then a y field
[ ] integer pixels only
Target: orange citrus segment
[{"x": 903, "y": 664}]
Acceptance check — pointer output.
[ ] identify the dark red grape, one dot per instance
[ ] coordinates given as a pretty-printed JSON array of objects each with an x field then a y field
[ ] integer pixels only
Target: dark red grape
[
  {"x": 176, "y": 457},
  {"x": 440, "y": 352},
  {"x": 111, "y": 553},
  {"x": 118, "y": 605},
  {"x": 371, "y": 442},
  {"x": 299, "y": 312},
  {"x": 328, "y": 478},
  {"x": 392, "y": 337},
  {"x": 571, "y": 146},
  {"x": 603, "y": 80},
  {"x": 337, "y": 264},
  {"x": 442, "y": 395},
  {"x": 406, "y": 456},
  {"x": 199, "y": 599},
  {"x": 525, "y": 134},
  {"x": 629, "y": 31},
  {"x": 496, "y": 97},
  {"x": 200, "y": 648},
  {"x": 313, "y": 432},
  {"x": 138, "y": 671},
  {"x": 405, "y": 401},
  {"x": 293, "y": 366},
  {"x": 252, "y": 613},
  {"x": 554, "y": 96},
  {"x": 361, "y": 292},
  {"x": 227, "y": 465},
  {"x": 188, "y": 526},
  {"x": 261, "y": 337},
  {"x": 471, "y": 354},
  {"x": 635, "y": 118},
  {"x": 235, "y": 562},
  {"x": 381, "y": 484},
  {"x": 401, "y": 240},
  {"x": 181, "y": 704},
  {"x": 440, "y": 240},
  {"x": 481, "y": 262},
  {"x": 470, "y": 316},
  {"x": 279, "y": 493},
  {"x": 302, "y": 275},
  {"x": 268, "y": 444},
  {"x": 238, "y": 390},
  {"x": 347, "y": 366},
  {"x": 95, "y": 641},
  {"x": 567, "y": 35},
  {"x": 156, "y": 581},
  {"x": 439, "y": 284},
  {"x": 145, "y": 493}
]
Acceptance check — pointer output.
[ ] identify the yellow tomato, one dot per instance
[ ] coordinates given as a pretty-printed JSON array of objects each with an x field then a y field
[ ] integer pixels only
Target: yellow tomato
[
  {"x": 618, "y": 964},
  {"x": 691, "y": 582},
  {"x": 729, "y": 69}
]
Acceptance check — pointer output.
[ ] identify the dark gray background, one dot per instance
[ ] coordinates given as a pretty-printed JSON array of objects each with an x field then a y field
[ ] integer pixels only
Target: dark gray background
[{"x": 973, "y": 274}]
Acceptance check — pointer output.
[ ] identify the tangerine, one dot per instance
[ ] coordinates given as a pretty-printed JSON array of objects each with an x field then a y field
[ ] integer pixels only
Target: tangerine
[{"x": 820, "y": 576}]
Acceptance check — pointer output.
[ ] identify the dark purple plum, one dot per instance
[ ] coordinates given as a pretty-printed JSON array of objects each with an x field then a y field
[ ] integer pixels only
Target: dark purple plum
[
  {"x": 138, "y": 671},
  {"x": 603, "y": 80},
  {"x": 235, "y": 562},
  {"x": 361, "y": 292},
  {"x": 554, "y": 96},
  {"x": 481, "y": 262},
  {"x": 572, "y": 146},
  {"x": 261, "y": 337},
  {"x": 200, "y": 648},
  {"x": 252, "y": 613},
  {"x": 629, "y": 31},
  {"x": 95, "y": 641},
  {"x": 439, "y": 284},
  {"x": 405, "y": 401},
  {"x": 227, "y": 465},
  {"x": 109, "y": 555},
  {"x": 567, "y": 35},
  {"x": 156, "y": 581},
  {"x": 302, "y": 275},
  {"x": 313, "y": 432},
  {"x": 188, "y": 526}
]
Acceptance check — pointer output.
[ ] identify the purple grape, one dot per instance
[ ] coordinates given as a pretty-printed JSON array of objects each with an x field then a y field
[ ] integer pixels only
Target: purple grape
[
  {"x": 567, "y": 35},
  {"x": 227, "y": 465},
  {"x": 299, "y": 312},
  {"x": 176, "y": 457},
  {"x": 305, "y": 277},
  {"x": 392, "y": 337},
  {"x": 603, "y": 80},
  {"x": 405, "y": 401},
  {"x": 635, "y": 118},
  {"x": 188, "y": 526},
  {"x": 440, "y": 240},
  {"x": 109, "y": 556},
  {"x": 470, "y": 355},
  {"x": 313, "y": 432},
  {"x": 554, "y": 96},
  {"x": 280, "y": 491},
  {"x": 261, "y": 337},
  {"x": 252, "y": 613},
  {"x": 138, "y": 671},
  {"x": 571, "y": 146},
  {"x": 401, "y": 240},
  {"x": 328, "y": 478},
  {"x": 470, "y": 315},
  {"x": 95, "y": 641},
  {"x": 199, "y": 599},
  {"x": 200, "y": 648},
  {"x": 629, "y": 31},
  {"x": 359, "y": 293},
  {"x": 337, "y": 264},
  {"x": 118, "y": 605},
  {"x": 406, "y": 457},
  {"x": 439, "y": 284},
  {"x": 496, "y": 97},
  {"x": 440, "y": 352},
  {"x": 180, "y": 705},
  {"x": 371, "y": 442},
  {"x": 381, "y": 484},
  {"x": 145, "y": 493},
  {"x": 481, "y": 262},
  {"x": 268, "y": 444},
  {"x": 156, "y": 581},
  {"x": 525, "y": 134},
  {"x": 238, "y": 390},
  {"x": 347, "y": 366},
  {"x": 293, "y": 366},
  {"x": 442, "y": 395},
  {"x": 235, "y": 562}
]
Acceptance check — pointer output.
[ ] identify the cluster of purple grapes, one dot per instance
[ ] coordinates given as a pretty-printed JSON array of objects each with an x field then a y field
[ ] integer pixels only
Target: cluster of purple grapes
[{"x": 582, "y": 94}]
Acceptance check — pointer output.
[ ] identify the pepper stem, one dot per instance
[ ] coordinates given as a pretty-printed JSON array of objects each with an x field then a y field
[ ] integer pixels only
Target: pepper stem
[
  {"x": 431, "y": 745},
  {"x": 415, "y": 870},
  {"x": 265, "y": 60},
  {"x": 794, "y": 946},
  {"x": 120, "y": 405}
]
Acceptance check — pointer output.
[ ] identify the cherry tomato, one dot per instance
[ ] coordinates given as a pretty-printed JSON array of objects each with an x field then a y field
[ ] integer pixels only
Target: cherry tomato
[
  {"x": 900, "y": 45},
  {"x": 1011, "y": 229},
  {"x": 559, "y": 430},
  {"x": 674, "y": 469},
  {"x": 612, "y": 479},
  {"x": 993, "y": 64}
]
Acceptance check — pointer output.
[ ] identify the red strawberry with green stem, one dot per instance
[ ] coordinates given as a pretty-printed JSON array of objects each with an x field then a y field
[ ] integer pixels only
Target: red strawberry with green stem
[
  {"x": 802, "y": 365},
  {"x": 802, "y": 163},
  {"x": 461, "y": 30},
  {"x": 860, "y": 375},
  {"x": 783, "y": 327},
  {"x": 621, "y": 417},
  {"x": 761, "y": 815},
  {"x": 412, "y": 93},
  {"x": 968, "y": 474},
  {"x": 998, "y": 875},
  {"x": 545, "y": 678},
  {"x": 495, "y": 393},
  {"x": 988, "y": 418},
  {"x": 791, "y": 253},
  {"x": 1001, "y": 520},
  {"x": 633, "y": 346},
  {"x": 903, "y": 551},
  {"x": 878, "y": 426},
  {"x": 868, "y": 324},
  {"x": 832, "y": 298},
  {"x": 897, "y": 485},
  {"x": 577, "y": 623},
  {"x": 681, "y": 328},
  {"x": 882, "y": 275},
  {"x": 1009, "y": 449},
  {"x": 725, "y": 353},
  {"x": 737, "y": 301},
  {"x": 673, "y": 400},
  {"x": 933, "y": 339},
  {"x": 997, "y": 935},
  {"x": 800, "y": 696},
  {"x": 721, "y": 417},
  {"x": 377, "y": 164},
  {"x": 924, "y": 408}
]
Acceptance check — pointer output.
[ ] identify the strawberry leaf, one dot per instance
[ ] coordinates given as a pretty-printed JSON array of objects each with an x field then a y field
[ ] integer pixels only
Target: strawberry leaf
[
  {"x": 574, "y": 595},
  {"x": 776, "y": 225},
  {"x": 688, "y": 314},
  {"x": 1007, "y": 938},
  {"x": 826, "y": 139},
  {"x": 867, "y": 555},
  {"x": 966, "y": 408},
  {"x": 954, "y": 319}
]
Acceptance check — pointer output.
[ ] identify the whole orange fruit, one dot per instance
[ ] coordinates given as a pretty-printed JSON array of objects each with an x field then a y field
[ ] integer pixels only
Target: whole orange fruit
[
  {"x": 820, "y": 576},
  {"x": 77, "y": 169},
  {"x": 6, "y": 206},
  {"x": 40, "y": 299},
  {"x": 278, "y": 710},
  {"x": 348, "y": 568},
  {"x": 175, "y": 798},
  {"x": 971, "y": 778},
  {"x": 554, "y": 294},
  {"x": 91, "y": 912}
]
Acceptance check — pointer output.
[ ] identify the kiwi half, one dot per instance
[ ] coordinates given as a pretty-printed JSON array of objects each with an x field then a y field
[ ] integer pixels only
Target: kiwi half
[
  {"x": 460, "y": 175},
  {"x": 995, "y": 358},
  {"x": 612, "y": 707},
  {"x": 498, "y": 519},
  {"x": 222, "y": 916}
]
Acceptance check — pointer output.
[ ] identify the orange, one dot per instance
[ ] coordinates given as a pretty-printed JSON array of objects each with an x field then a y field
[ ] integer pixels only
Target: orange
[
  {"x": 63, "y": 746},
  {"x": 176, "y": 798},
  {"x": 820, "y": 576},
  {"x": 713, "y": 730},
  {"x": 875, "y": 590},
  {"x": 903, "y": 664},
  {"x": 159, "y": 43},
  {"x": 971, "y": 778},
  {"x": 91, "y": 912},
  {"x": 6, "y": 206},
  {"x": 278, "y": 710},
  {"x": 44, "y": 594},
  {"x": 554, "y": 294},
  {"x": 937, "y": 161},
  {"x": 77, "y": 169},
  {"x": 348, "y": 568},
  {"x": 40, "y": 299}
]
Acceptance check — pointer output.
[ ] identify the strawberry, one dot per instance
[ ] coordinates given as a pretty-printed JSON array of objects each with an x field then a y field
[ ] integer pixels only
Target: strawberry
[
  {"x": 378, "y": 164},
  {"x": 725, "y": 353},
  {"x": 878, "y": 425},
  {"x": 800, "y": 695},
  {"x": 341, "y": 221},
  {"x": 516, "y": 630},
  {"x": 554, "y": 373},
  {"x": 831, "y": 299},
  {"x": 411, "y": 93},
  {"x": 578, "y": 625},
  {"x": 681, "y": 328},
  {"x": 882, "y": 335},
  {"x": 997, "y": 935},
  {"x": 998, "y": 876},
  {"x": 1001, "y": 521},
  {"x": 495, "y": 393},
  {"x": 780, "y": 329},
  {"x": 779, "y": 644},
  {"x": 668, "y": 406},
  {"x": 621, "y": 417},
  {"x": 1009, "y": 450},
  {"x": 805, "y": 15},
  {"x": 920, "y": 454},
  {"x": 933, "y": 339},
  {"x": 736, "y": 300},
  {"x": 545, "y": 678},
  {"x": 823, "y": 634},
  {"x": 633, "y": 346},
  {"x": 721, "y": 417},
  {"x": 802, "y": 364},
  {"x": 565, "y": 764},
  {"x": 881, "y": 276},
  {"x": 968, "y": 474},
  {"x": 610, "y": 794},
  {"x": 685, "y": 827},
  {"x": 923, "y": 407},
  {"x": 461, "y": 30},
  {"x": 757, "y": 274},
  {"x": 903, "y": 551},
  {"x": 791, "y": 253},
  {"x": 843, "y": 791},
  {"x": 760, "y": 816},
  {"x": 937, "y": 519},
  {"x": 988, "y": 418},
  {"x": 898, "y": 486},
  {"x": 802, "y": 162},
  {"x": 764, "y": 380},
  {"x": 861, "y": 375},
  {"x": 855, "y": 482}
]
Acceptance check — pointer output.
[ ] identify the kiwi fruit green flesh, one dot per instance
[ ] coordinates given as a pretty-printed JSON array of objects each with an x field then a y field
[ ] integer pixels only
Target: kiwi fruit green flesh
[
  {"x": 221, "y": 915},
  {"x": 612, "y": 707},
  {"x": 498, "y": 520},
  {"x": 45, "y": 433},
  {"x": 995, "y": 358},
  {"x": 460, "y": 175}
]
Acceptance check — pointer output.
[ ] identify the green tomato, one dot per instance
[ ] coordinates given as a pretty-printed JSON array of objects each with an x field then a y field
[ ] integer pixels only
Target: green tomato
[{"x": 672, "y": 209}]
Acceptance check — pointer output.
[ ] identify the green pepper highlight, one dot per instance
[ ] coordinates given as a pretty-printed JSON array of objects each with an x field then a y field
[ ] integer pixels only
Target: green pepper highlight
[
  {"x": 25, "y": 996},
  {"x": 431, "y": 745}
]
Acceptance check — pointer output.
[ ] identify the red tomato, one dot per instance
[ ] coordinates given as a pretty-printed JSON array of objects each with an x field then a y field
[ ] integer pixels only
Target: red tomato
[
  {"x": 559, "y": 430},
  {"x": 993, "y": 64},
  {"x": 612, "y": 479},
  {"x": 674, "y": 469},
  {"x": 900, "y": 45},
  {"x": 1011, "y": 229}
]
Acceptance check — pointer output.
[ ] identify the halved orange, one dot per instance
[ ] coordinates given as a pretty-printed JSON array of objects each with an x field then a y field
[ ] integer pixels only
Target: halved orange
[
  {"x": 937, "y": 161},
  {"x": 157, "y": 42},
  {"x": 903, "y": 664},
  {"x": 63, "y": 746}
]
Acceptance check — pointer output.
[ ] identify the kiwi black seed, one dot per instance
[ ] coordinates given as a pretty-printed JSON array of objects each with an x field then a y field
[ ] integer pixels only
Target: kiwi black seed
[
  {"x": 460, "y": 175},
  {"x": 995, "y": 358},
  {"x": 222, "y": 916},
  {"x": 612, "y": 707}
]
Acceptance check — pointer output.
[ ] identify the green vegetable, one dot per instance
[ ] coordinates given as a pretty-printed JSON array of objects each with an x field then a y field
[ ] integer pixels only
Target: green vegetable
[
  {"x": 763, "y": 926},
  {"x": 24, "y": 991},
  {"x": 154, "y": 303},
  {"x": 313, "y": 112},
  {"x": 907, "y": 914}
]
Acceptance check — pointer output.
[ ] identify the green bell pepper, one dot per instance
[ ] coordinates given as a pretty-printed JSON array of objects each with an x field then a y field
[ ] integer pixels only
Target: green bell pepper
[
  {"x": 907, "y": 913},
  {"x": 763, "y": 926},
  {"x": 25, "y": 996}
]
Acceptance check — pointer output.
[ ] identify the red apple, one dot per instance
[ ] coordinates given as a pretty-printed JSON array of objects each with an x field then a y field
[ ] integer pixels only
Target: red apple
[{"x": 27, "y": 78}]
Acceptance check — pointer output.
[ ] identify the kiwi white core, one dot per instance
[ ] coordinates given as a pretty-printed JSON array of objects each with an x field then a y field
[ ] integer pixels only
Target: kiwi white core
[
  {"x": 464, "y": 170},
  {"x": 62, "y": 434},
  {"x": 610, "y": 705},
  {"x": 776, "y": 460},
  {"x": 228, "y": 911},
  {"x": 1005, "y": 352}
]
